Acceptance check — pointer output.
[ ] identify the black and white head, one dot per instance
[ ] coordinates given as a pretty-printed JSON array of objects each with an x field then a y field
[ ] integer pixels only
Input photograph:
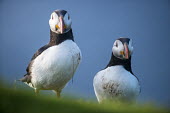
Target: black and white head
[
  {"x": 60, "y": 22},
  {"x": 122, "y": 48}
]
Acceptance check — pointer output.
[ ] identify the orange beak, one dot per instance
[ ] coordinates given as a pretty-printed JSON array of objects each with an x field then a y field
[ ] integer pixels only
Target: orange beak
[
  {"x": 62, "y": 25},
  {"x": 126, "y": 51}
]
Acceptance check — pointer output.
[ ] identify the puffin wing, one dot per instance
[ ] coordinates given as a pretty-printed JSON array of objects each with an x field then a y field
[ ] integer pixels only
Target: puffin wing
[
  {"x": 40, "y": 51},
  {"x": 27, "y": 77}
]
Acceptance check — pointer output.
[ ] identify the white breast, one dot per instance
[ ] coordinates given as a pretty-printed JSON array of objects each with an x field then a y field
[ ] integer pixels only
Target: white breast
[
  {"x": 53, "y": 68},
  {"x": 115, "y": 82}
]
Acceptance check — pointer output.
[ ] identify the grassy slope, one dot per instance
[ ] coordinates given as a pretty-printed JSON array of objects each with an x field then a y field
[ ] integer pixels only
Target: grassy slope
[{"x": 21, "y": 101}]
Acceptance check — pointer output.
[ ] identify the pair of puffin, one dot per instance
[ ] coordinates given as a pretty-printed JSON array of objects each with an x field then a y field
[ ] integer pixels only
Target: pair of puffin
[{"x": 54, "y": 64}]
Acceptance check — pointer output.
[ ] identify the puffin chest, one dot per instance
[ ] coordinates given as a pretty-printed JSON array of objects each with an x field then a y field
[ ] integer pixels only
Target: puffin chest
[
  {"x": 55, "y": 66},
  {"x": 118, "y": 81},
  {"x": 56, "y": 59}
]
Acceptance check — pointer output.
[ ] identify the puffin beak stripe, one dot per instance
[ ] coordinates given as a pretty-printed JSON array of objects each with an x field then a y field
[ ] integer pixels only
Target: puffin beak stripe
[
  {"x": 126, "y": 51},
  {"x": 62, "y": 24}
]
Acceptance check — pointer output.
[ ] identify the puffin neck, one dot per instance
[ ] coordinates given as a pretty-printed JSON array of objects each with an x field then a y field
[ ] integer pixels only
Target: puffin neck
[
  {"x": 56, "y": 39},
  {"x": 125, "y": 63}
]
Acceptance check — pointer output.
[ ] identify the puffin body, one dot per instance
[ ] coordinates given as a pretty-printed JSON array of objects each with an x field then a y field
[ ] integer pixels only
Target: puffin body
[
  {"x": 54, "y": 64},
  {"x": 117, "y": 81}
]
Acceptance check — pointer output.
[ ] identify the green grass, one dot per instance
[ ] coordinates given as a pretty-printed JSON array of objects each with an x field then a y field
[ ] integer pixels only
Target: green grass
[{"x": 24, "y": 101}]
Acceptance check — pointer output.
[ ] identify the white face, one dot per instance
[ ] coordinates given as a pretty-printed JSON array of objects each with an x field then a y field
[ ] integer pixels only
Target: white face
[
  {"x": 122, "y": 50},
  {"x": 60, "y": 24}
]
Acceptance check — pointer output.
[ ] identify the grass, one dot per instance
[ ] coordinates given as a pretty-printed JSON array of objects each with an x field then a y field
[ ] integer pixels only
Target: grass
[{"x": 24, "y": 101}]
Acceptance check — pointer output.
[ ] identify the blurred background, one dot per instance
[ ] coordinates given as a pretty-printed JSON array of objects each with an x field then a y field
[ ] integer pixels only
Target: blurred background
[{"x": 96, "y": 25}]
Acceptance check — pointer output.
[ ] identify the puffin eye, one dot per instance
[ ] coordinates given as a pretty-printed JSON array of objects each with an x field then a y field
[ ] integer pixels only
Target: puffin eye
[
  {"x": 116, "y": 44},
  {"x": 68, "y": 17}
]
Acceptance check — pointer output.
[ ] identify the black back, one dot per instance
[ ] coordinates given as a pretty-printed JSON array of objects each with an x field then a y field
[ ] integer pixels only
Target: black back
[
  {"x": 56, "y": 39},
  {"x": 126, "y": 63}
]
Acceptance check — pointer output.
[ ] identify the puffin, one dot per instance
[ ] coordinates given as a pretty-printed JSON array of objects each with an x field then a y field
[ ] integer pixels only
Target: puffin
[
  {"x": 116, "y": 82},
  {"x": 54, "y": 64}
]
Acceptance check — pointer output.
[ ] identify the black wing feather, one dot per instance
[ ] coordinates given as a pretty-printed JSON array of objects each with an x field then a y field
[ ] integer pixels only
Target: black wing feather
[
  {"x": 40, "y": 51},
  {"x": 34, "y": 56}
]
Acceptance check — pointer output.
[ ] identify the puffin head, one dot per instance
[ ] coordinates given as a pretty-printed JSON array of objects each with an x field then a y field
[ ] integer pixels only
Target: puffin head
[
  {"x": 60, "y": 22},
  {"x": 122, "y": 48}
]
